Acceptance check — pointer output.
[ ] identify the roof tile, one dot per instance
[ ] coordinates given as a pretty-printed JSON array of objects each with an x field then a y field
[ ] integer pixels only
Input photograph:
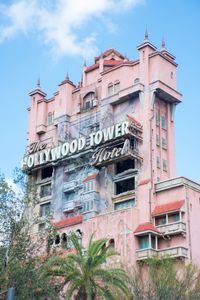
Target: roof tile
[
  {"x": 164, "y": 208},
  {"x": 69, "y": 221},
  {"x": 146, "y": 227}
]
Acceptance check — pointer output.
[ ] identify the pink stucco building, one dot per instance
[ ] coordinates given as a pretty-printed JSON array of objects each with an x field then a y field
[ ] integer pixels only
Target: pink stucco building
[{"x": 102, "y": 154}]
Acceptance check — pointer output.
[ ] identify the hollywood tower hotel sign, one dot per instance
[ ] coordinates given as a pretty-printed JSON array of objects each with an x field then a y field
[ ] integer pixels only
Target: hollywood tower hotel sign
[{"x": 102, "y": 155}]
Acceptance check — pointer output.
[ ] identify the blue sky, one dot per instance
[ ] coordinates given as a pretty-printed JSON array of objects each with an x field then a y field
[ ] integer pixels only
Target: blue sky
[{"x": 47, "y": 39}]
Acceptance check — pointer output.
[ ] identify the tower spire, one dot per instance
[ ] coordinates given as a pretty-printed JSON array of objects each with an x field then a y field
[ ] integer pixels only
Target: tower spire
[
  {"x": 163, "y": 43},
  {"x": 146, "y": 35},
  {"x": 38, "y": 83},
  {"x": 67, "y": 76}
]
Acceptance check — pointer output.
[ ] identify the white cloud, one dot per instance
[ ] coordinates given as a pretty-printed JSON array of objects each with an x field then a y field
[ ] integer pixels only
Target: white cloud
[{"x": 58, "y": 23}]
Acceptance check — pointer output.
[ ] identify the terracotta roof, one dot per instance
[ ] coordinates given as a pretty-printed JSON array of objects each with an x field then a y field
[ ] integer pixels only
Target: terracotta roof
[
  {"x": 112, "y": 62},
  {"x": 164, "y": 208},
  {"x": 69, "y": 221},
  {"x": 134, "y": 120},
  {"x": 90, "y": 177},
  {"x": 146, "y": 227},
  {"x": 92, "y": 67},
  {"x": 107, "y": 52}
]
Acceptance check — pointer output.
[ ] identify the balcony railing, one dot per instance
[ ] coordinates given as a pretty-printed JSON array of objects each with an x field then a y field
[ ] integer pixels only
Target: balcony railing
[
  {"x": 172, "y": 228},
  {"x": 71, "y": 205},
  {"x": 174, "y": 252},
  {"x": 179, "y": 252},
  {"x": 146, "y": 253},
  {"x": 70, "y": 186}
]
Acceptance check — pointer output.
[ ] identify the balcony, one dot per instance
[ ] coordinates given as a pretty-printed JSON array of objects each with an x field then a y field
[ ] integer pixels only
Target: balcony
[
  {"x": 125, "y": 94},
  {"x": 172, "y": 228},
  {"x": 70, "y": 186},
  {"x": 179, "y": 252},
  {"x": 146, "y": 253},
  {"x": 71, "y": 205},
  {"x": 174, "y": 252}
]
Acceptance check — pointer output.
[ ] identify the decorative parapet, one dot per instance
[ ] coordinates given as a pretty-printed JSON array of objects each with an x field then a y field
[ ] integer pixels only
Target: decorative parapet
[
  {"x": 171, "y": 229},
  {"x": 174, "y": 252}
]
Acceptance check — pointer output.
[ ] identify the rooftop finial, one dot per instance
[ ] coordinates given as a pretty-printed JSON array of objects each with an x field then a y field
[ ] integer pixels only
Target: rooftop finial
[
  {"x": 67, "y": 76},
  {"x": 163, "y": 43},
  {"x": 38, "y": 83},
  {"x": 84, "y": 63},
  {"x": 146, "y": 36}
]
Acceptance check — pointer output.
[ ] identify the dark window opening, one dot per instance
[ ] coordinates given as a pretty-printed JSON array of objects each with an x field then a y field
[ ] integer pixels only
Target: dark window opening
[
  {"x": 41, "y": 226},
  {"x": 57, "y": 239},
  {"x": 125, "y": 165},
  {"x": 111, "y": 243},
  {"x": 79, "y": 233},
  {"x": 125, "y": 185},
  {"x": 46, "y": 172}
]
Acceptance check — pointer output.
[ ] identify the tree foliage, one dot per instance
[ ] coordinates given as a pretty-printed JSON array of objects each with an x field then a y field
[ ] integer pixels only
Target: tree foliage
[
  {"x": 85, "y": 273},
  {"x": 19, "y": 266}
]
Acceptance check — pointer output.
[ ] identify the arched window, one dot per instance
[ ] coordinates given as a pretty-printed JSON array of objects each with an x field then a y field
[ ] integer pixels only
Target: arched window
[
  {"x": 88, "y": 100},
  {"x": 50, "y": 118},
  {"x": 116, "y": 86},
  {"x": 111, "y": 243},
  {"x": 110, "y": 89},
  {"x": 113, "y": 88},
  {"x": 57, "y": 239},
  {"x": 64, "y": 240}
]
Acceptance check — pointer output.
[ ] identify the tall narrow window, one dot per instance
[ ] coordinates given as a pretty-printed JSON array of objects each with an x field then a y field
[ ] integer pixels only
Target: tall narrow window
[
  {"x": 164, "y": 165},
  {"x": 157, "y": 119},
  {"x": 50, "y": 118},
  {"x": 110, "y": 89},
  {"x": 164, "y": 143},
  {"x": 163, "y": 122},
  {"x": 116, "y": 87},
  {"x": 158, "y": 162}
]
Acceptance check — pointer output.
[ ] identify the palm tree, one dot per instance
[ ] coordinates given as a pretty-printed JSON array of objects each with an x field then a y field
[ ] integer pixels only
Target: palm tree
[{"x": 85, "y": 273}]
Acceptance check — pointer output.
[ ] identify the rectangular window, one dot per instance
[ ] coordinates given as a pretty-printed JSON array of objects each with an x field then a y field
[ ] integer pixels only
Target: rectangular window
[
  {"x": 87, "y": 105},
  {"x": 164, "y": 143},
  {"x": 116, "y": 87},
  {"x": 88, "y": 186},
  {"x": 45, "y": 209},
  {"x": 88, "y": 206},
  {"x": 110, "y": 90},
  {"x": 125, "y": 185},
  {"x": 125, "y": 165},
  {"x": 158, "y": 162},
  {"x": 160, "y": 220},
  {"x": 157, "y": 140},
  {"x": 50, "y": 118},
  {"x": 125, "y": 204},
  {"x": 157, "y": 119},
  {"x": 45, "y": 190},
  {"x": 144, "y": 242},
  {"x": 175, "y": 217},
  {"x": 164, "y": 165},
  {"x": 163, "y": 122}
]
